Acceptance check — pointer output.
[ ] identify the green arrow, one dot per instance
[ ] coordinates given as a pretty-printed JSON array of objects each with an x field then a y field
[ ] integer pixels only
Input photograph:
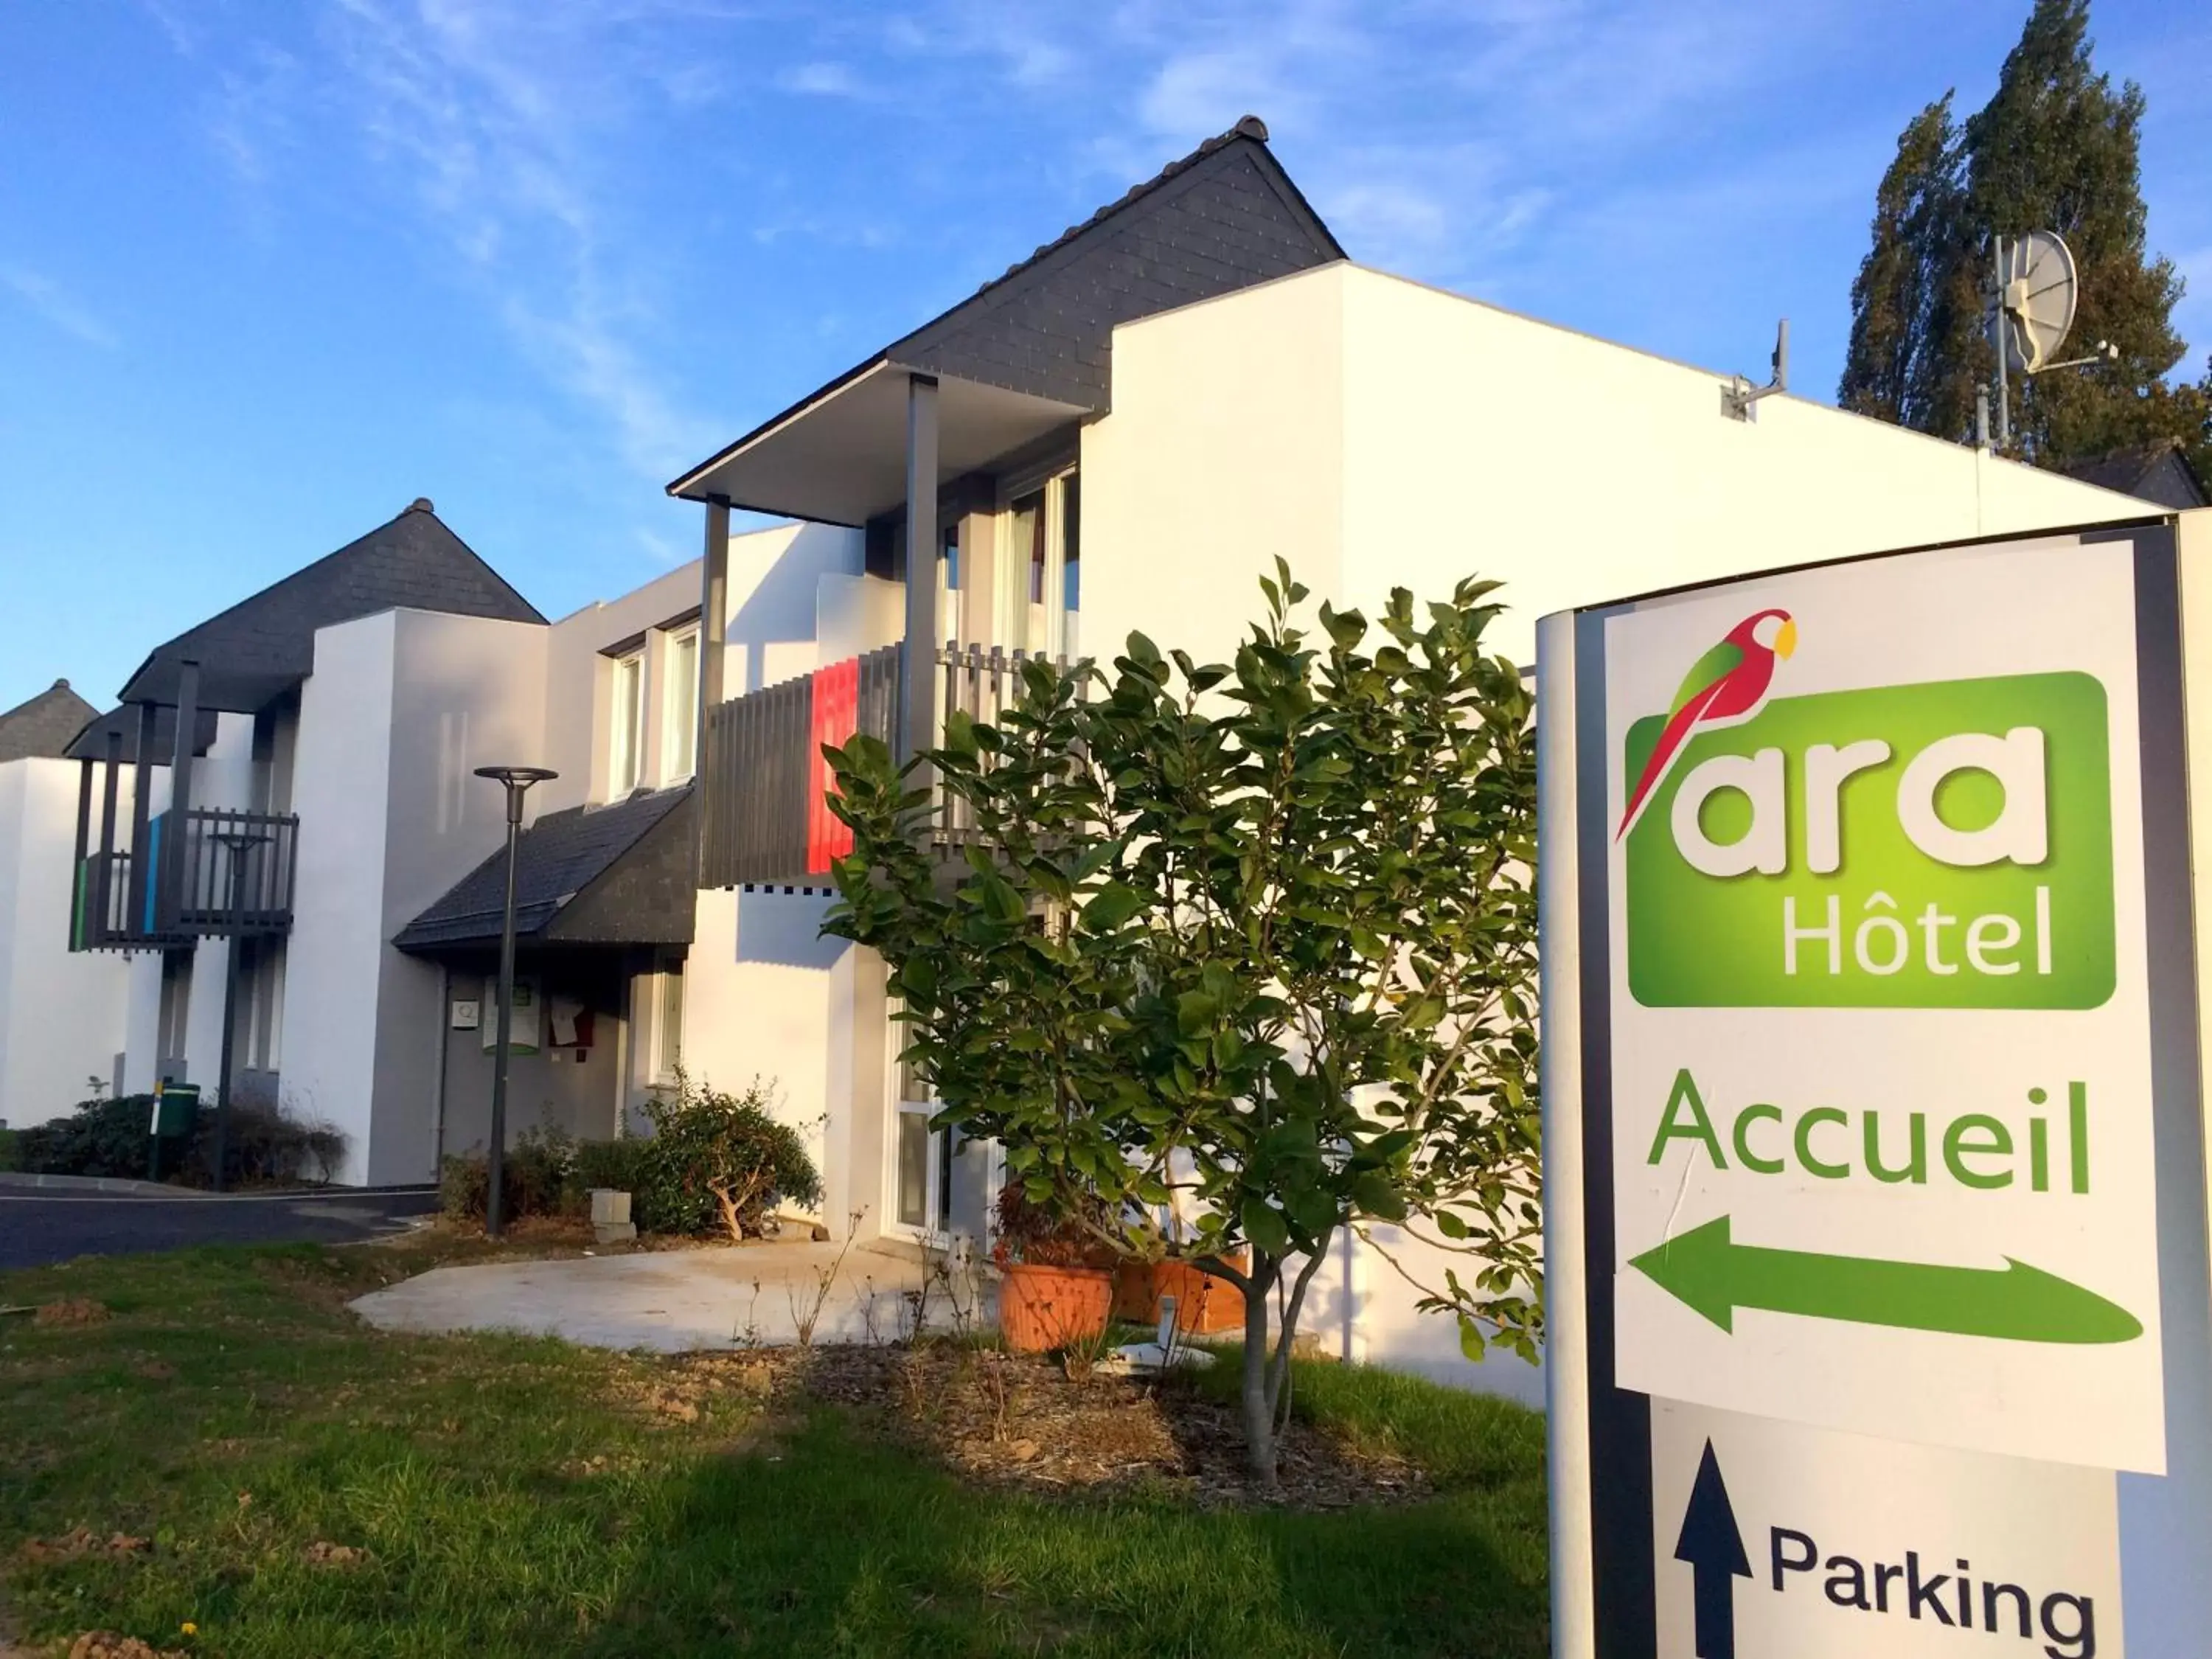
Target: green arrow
[{"x": 1710, "y": 1272}]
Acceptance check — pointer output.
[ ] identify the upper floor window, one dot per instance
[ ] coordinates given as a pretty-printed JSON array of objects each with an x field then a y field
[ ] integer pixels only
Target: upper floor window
[
  {"x": 1028, "y": 542},
  {"x": 1071, "y": 546},
  {"x": 626, "y": 750},
  {"x": 680, "y": 746}
]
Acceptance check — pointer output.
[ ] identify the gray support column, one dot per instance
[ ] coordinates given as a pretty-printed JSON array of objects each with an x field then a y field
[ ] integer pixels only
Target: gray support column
[
  {"x": 713, "y": 640},
  {"x": 82, "y": 891},
  {"x": 142, "y": 801},
  {"x": 175, "y": 836},
  {"x": 103, "y": 892},
  {"x": 918, "y": 721}
]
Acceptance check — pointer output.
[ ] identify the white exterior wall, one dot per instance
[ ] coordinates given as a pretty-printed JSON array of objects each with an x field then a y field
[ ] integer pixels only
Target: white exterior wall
[
  {"x": 62, "y": 1013},
  {"x": 758, "y": 989},
  {"x": 221, "y": 777},
  {"x": 1225, "y": 449},
  {"x": 1477, "y": 442},
  {"x": 400, "y": 710},
  {"x": 1375, "y": 433}
]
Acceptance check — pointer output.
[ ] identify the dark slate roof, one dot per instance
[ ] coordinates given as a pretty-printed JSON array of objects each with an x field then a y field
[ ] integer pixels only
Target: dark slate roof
[
  {"x": 617, "y": 874},
  {"x": 91, "y": 743},
  {"x": 264, "y": 645},
  {"x": 1223, "y": 217},
  {"x": 43, "y": 727},
  {"x": 2156, "y": 472}
]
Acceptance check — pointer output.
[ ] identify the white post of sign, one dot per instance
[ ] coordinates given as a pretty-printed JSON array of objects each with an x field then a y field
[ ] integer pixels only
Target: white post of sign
[
  {"x": 1876, "y": 1188},
  {"x": 1566, "y": 1351}
]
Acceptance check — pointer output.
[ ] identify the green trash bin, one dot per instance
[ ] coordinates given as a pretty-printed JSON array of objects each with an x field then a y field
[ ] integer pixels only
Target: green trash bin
[{"x": 176, "y": 1115}]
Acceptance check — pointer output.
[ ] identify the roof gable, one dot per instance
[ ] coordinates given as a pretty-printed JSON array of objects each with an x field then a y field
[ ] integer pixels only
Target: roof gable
[
  {"x": 2158, "y": 472},
  {"x": 562, "y": 861},
  {"x": 1224, "y": 217},
  {"x": 262, "y": 645},
  {"x": 43, "y": 727}
]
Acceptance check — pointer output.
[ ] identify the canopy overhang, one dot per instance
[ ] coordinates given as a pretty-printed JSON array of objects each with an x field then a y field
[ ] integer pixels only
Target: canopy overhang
[{"x": 841, "y": 457}]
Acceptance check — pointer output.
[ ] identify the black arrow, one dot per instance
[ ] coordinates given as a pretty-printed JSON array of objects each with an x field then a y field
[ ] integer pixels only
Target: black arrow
[{"x": 1714, "y": 1548}]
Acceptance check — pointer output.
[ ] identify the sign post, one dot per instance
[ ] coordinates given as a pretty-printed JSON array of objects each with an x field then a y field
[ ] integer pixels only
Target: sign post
[{"x": 1875, "y": 1145}]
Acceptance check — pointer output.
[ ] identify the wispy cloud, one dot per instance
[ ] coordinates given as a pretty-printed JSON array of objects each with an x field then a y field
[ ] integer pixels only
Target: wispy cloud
[
  {"x": 47, "y": 300},
  {"x": 491, "y": 114},
  {"x": 822, "y": 80}
]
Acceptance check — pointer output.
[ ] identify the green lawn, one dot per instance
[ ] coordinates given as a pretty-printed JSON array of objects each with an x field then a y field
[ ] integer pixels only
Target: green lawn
[{"x": 513, "y": 1497}]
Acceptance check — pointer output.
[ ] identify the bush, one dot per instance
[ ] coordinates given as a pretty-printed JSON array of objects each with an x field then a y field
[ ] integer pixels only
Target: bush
[
  {"x": 702, "y": 1140},
  {"x": 621, "y": 1165},
  {"x": 262, "y": 1146},
  {"x": 100, "y": 1137},
  {"x": 535, "y": 1176},
  {"x": 11, "y": 1151}
]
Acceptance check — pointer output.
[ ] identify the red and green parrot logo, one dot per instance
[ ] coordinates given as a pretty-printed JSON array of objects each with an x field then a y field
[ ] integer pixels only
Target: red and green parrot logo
[{"x": 1725, "y": 687}]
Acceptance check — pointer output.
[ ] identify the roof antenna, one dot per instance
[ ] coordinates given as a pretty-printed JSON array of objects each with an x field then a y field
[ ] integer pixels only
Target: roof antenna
[{"x": 1739, "y": 394}]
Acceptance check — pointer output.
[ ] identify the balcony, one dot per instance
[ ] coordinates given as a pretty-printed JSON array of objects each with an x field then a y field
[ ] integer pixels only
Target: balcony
[
  {"x": 208, "y": 871},
  {"x": 768, "y": 823}
]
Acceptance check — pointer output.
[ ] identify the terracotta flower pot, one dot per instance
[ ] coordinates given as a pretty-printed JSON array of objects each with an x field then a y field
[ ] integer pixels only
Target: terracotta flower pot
[
  {"x": 1204, "y": 1304},
  {"x": 1043, "y": 1308}
]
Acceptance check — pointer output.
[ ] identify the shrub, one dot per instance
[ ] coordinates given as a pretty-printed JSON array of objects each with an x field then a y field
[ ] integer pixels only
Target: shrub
[
  {"x": 534, "y": 1177},
  {"x": 100, "y": 1137},
  {"x": 621, "y": 1165},
  {"x": 263, "y": 1146},
  {"x": 463, "y": 1180},
  {"x": 1043, "y": 1235},
  {"x": 717, "y": 1160},
  {"x": 11, "y": 1151}
]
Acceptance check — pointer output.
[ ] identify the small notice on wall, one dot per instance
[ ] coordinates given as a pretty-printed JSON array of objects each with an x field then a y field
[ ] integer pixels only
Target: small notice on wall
[
  {"x": 523, "y": 1039},
  {"x": 468, "y": 1014}
]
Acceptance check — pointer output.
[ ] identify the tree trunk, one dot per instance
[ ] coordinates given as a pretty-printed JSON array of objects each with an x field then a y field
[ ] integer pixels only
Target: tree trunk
[{"x": 1259, "y": 1410}]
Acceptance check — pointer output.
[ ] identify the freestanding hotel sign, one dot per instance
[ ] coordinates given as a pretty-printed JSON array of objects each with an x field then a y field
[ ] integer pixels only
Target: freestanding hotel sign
[{"x": 1875, "y": 1170}]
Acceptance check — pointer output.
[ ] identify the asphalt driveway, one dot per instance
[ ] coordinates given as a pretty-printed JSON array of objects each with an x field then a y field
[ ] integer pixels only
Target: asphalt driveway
[{"x": 43, "y": 1224}]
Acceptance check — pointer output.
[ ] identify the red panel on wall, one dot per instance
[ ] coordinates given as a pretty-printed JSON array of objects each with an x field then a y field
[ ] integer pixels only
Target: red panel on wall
[{"x": 836, "y": 714}]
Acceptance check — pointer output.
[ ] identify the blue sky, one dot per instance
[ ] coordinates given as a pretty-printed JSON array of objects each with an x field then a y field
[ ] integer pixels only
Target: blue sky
[{"x": 271, "y": 269}]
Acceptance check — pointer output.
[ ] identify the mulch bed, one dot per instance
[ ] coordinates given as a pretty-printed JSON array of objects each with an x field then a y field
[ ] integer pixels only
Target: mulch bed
[{"x": 1023, "y": 1421}]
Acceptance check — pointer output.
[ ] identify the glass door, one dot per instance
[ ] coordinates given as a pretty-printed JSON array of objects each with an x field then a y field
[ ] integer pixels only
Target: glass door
[{"x": 921, "y": 1158}]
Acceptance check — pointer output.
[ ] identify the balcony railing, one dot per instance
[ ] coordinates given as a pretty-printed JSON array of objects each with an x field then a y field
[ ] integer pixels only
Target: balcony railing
[
  {"x": 208, "y": 870},
  {"x": 766, "y": 820}
]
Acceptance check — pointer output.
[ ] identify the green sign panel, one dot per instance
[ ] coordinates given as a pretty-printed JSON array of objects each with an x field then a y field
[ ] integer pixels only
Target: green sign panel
[{"x": 1944, "y": 845}]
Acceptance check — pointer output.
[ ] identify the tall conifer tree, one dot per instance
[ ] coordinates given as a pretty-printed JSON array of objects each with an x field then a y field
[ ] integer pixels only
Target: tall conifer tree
[{"x": 2056, "y": 148}]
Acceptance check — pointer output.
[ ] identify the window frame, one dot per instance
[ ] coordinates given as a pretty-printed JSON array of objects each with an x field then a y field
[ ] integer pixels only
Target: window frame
[
  {"x": 680, "y": 706},
  {"x": 626, "y": 750},
  {"x": 668, "y": 988}
]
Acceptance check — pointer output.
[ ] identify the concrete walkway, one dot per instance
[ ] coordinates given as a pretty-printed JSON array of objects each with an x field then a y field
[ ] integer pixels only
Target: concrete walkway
[{"x": 675, "y": 1301}]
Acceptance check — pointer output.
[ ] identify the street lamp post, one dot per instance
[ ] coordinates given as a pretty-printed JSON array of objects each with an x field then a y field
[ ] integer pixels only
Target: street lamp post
[
  {"x": 239, "y": 841},
  {"x": 517, "y": 781}
]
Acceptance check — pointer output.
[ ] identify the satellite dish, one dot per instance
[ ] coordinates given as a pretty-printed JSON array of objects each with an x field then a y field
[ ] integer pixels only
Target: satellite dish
[{"x": 2036, "y": 286}]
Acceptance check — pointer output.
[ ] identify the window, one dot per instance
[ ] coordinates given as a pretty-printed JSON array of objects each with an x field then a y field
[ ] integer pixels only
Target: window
[
  {"x": 626, "y": 751},
  {"x": 948, "y": 583},
  {"x": 1070, "y": 542},
  {"x": 668, "y": 1024},
  {"x": 1028, "y": 544},
  {"x": 681, "y": 745}
]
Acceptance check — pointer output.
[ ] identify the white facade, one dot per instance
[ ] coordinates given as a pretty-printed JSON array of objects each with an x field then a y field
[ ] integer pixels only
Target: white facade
[
  {"x": 1376, "y": 432},
  {"x": 62, "y": 1013},
  {"x": 378, "y": 760}
]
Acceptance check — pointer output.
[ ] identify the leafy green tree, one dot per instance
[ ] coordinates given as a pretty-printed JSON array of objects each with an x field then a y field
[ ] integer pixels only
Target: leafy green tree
[
  {"x": 1246, "y": 950},
  {"x": 2056, "y": 148}
]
